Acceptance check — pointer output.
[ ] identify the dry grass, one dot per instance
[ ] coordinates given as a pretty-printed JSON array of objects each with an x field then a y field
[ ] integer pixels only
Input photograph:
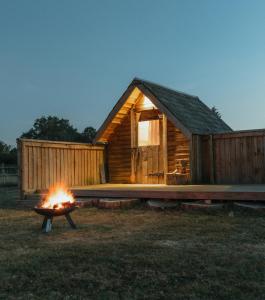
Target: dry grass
[{"x": 131, "y": 254}]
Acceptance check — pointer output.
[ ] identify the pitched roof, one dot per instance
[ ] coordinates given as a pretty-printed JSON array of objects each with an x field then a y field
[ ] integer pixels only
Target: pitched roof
[{"x": 187, "y": 112}]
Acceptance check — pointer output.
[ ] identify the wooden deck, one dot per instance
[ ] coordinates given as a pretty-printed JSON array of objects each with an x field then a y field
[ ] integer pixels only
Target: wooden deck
[{"x": 161, "y": 191}]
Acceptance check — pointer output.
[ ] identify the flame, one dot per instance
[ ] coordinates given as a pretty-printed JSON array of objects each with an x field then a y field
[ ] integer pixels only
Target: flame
[{"x": 57, "y": 197}]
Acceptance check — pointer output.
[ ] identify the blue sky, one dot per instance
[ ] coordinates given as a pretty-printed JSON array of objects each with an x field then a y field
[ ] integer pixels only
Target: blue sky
[{"x": 74, "y": 59}]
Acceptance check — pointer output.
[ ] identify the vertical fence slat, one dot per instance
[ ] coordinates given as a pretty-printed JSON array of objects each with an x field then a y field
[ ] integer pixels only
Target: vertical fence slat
[
  {"x": 78, "y": 167},
  {"x": 82, "y": 168},
  {"x": 85, "y": 166},
  {"x": 39, "y": 168},
  {"x": 42, "y": 151},
  {"x": 72, "y": 167},
  {"x": 30, "y": 170},
  {"x": 89, "y": 153},
  {"x": 24, "y": 166},
  {"x": 65, "y": 164},
  {"x": 75, "y": 168},
  {"x": 93, "y": 167}
]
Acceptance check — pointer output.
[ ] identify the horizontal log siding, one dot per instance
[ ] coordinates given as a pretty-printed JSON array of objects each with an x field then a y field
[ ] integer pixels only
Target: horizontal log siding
[
  {"x": 178, "y": 148},
  {"x": 239, "y": 157},
  {"x": 119, "y": 153},
  {"x": 44, "y": 163}
]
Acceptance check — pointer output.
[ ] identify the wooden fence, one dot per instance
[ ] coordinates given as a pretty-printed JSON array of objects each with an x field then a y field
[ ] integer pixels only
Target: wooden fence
[
  {"x": 44, "y": 163},
  {"x": 8, "y": 174},
  {"x": 233, "y": 158}
]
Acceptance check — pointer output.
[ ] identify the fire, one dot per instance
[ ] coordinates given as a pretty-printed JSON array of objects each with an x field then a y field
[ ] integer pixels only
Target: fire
[{"x": 57, "y": 197}]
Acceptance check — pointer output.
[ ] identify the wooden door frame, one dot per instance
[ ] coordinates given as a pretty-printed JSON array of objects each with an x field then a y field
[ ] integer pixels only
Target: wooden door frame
[{"x": 134, "y": 144}]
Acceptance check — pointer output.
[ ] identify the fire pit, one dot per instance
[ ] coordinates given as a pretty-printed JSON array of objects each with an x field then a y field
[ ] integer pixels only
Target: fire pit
[{"x": 58, "y": 202}]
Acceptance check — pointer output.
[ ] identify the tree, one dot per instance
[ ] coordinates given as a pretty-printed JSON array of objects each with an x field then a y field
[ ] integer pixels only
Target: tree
[
  {"x": 216, "y": 112},
  {"x": 54, "y": 129},
  {"x": 8, "y": 155},
  {"x": 4, "y": 148},
  {"x": 88, "y": 134}
]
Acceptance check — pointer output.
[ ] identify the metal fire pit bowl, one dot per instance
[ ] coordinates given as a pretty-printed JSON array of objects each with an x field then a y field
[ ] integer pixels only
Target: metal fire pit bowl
[{"x": 50, "y": 213}]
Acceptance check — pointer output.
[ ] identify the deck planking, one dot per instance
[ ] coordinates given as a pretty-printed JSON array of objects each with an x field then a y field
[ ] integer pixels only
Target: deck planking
[{"x": 187, "y": 192}]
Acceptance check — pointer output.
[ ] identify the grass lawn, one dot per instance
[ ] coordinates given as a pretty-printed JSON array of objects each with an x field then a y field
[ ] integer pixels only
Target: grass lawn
[{"x": 131, "y": 254}]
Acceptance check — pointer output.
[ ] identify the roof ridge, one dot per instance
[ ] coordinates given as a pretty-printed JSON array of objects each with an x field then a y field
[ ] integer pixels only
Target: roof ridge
[{"x": 165, "y": 87}]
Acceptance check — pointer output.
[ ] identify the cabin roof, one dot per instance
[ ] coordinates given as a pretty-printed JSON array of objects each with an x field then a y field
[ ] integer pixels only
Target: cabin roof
[
  {"x": 197, "y": 117},
  {"x": 185, "y": 111}
]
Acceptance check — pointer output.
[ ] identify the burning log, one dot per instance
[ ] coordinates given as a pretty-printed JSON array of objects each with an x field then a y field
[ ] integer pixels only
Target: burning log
[{"x": 58, "y": 202}]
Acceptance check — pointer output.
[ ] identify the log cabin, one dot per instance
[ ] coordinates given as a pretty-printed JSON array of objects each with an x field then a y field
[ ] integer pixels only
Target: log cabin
[{"x": 154, "y": 135}]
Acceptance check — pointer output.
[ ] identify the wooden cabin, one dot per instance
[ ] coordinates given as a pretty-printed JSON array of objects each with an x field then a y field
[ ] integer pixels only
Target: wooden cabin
[{"x": 154, "y": 135}]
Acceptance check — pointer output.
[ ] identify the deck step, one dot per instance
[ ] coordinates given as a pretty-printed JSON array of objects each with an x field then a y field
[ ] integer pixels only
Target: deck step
[
  {"x": 113, "y": 203},
  {"x": 250, "y": 205},
  {"x": 201, "y": 205},
  {"x": 162, "y": 204}
]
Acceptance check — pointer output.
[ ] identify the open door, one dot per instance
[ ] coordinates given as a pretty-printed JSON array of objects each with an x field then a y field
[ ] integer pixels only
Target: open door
[
  {"x": 149, "y": 161},
  {"x": 147, "y": 147}
]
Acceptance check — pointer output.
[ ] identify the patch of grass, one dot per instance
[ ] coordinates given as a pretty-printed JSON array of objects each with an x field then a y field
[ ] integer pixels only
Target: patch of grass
[
  {"x": 132, "y": 254},
  {"x": 8, "y": 196}
]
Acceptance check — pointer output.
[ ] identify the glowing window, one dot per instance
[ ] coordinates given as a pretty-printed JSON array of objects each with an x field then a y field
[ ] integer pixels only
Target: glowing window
[
  {"x": 148, "y": 133},
  {"x": 147, "y": 103}
]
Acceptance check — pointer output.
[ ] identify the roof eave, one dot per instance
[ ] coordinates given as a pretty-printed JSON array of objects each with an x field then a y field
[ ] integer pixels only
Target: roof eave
[{"x": 113, "y": 112}]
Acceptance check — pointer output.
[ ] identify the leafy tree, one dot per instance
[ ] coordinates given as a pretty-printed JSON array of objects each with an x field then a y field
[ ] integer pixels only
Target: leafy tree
[
  {"x": 88, "y": 134},
  {"x": 8, "y": 155},
  {"x": 216, "y": 112},
  {"x": 54, "y": 129},
  {"x": 4, "y": 148}
]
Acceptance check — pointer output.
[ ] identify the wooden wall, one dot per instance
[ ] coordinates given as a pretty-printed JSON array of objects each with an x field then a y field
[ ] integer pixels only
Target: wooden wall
[
  {"x": 119, "y": 153},
  {"x": 177, "y": 147},
  {"x": 43, "y": 163},
  {"x": 233, "y": 158}
]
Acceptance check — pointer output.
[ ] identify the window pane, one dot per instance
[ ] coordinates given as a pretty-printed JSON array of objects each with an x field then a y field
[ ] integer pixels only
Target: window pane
[
  {"x": 148, "y": 104},
  {"x": 148, "y": 133}
]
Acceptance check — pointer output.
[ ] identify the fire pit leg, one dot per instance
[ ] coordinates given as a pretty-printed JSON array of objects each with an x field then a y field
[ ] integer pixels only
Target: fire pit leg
[
  {"x": 70, "y": 221},
  {"x": 43, "y": 226},
  {"x": 47, "y": 224}
]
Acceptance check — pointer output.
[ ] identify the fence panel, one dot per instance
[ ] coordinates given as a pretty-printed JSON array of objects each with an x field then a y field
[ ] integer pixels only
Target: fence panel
[
  {"x": 239, "y": 157},
  {"x": 44, "y": 163},
  {"x": 8, "y": 174}
]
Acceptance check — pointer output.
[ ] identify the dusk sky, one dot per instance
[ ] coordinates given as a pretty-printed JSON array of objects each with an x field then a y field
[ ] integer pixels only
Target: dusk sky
[{"x": 74, "y": 59}]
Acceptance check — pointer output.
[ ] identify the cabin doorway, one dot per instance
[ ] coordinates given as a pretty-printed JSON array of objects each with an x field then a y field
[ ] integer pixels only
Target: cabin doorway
[
  {"x": 149, "y": 166},
  {"x": 147, "y": 154}
]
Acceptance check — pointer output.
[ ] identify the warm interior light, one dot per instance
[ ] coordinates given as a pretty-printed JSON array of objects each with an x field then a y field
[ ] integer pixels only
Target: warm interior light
[
  {"x": 148, "y": 133},
  {"x": 147, "y": 103}
]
